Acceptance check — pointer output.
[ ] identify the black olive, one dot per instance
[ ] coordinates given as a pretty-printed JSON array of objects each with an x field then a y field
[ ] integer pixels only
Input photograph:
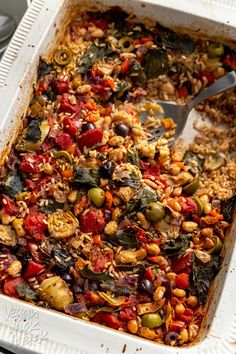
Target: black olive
[
  {"x": 87, "y": 126},
  {"x": 107, "y": 169},
  {"x": 147, "y": 286},
  {"x": 122, "y": 130},
  {"x": 171, "y": 338},
  {"x": 67, "y": 277},
  {"x": 93, "y": 285},
  {"x": 76, "y": 289}
]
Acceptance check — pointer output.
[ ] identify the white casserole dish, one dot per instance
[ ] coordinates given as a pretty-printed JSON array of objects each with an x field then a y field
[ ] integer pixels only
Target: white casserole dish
[{"x": 25, "y": 328}]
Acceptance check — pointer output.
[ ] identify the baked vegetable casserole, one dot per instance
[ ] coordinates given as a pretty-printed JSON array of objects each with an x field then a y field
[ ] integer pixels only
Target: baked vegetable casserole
[{"x": 99, "y": 218}]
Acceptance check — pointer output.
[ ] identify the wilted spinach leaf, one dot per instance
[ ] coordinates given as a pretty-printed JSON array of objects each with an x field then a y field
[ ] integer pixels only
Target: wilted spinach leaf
[
  {"x": 91, "y": 275},
  {"x": 176, "y": 246},
  {"x": 227, "y": 208},
  {"x": 125, "y": 238},
  {"x": 132, "y": 181},
  {"x": 43, "y": 68},
  {"x": 86, "y": 177},
  {"x": 51, "y": 207},
  {"x": 171, "y": 39},
  {"x": 137, "y": 74},
  {"x": 194, "y": 162},
  {"x": 92, "y": 55},
  {"x": 12, "y": 186},
  {"x": 155, "y": 63},
  {"x": 133, "y": 157},
  {"x": 34, "y": 131},
  {"x": 24, "y": 291},
  {"x": 203, "y": 275}
]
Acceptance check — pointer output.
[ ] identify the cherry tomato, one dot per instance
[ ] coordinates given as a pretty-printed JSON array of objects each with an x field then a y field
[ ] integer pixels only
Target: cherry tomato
[
  {"x": 90, "y": 138},
  {"x": 64, "y": 140},
  {"x": 177, "y": 326},
  {"x": 32, "y": 269},
  {"x": 108, "y": 319},
  {"x": 91, "y": 221},
  {"x": 9, "y": 206},
  {"x": 61, "y": 86},
  {"x": 182, "y": 280},
  {"x": 9, "y": 286},
  {"x": 35, "y": 226}
]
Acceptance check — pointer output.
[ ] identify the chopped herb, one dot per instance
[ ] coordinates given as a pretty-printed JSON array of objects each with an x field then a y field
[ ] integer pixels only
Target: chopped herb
[
  {"x": 133, "y": 157},
  {"x": 12, "y": 186}
]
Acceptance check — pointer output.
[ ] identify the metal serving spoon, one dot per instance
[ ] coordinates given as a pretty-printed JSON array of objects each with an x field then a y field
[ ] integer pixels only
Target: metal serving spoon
[
  {"x": 180, "y": 114},
  {"x": 7, "y": 28}
]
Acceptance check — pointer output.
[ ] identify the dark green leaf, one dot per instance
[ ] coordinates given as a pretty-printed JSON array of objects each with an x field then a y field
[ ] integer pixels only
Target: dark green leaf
[
  {"x": 86, "y": 177},
  {"x": 137, "y": 74},
  {"x": 12, "y": 186},
  {"x": 134, "y": 268},
  {"x": 133, "y": 157},
  {"x": 126, "y": 238},
  {"x": 203, "y": 275},
  {"x": 51, "y": 207},
  {"x": 91, "y": 275},
  {"x": 171, "y": 39},
  {"x": 176, "y": 246},
  {"x": 155, "y": 63},
  {"x": 122, "y": 87},
  {"x": 194, "y": 162},
  {"x": 227, "y": 208},
  {"x": 92, "y": 55},
  {"x": 34, "y": 131},
  {"x": 132, "y": 181},
  {"x": 24, "y": 291}
]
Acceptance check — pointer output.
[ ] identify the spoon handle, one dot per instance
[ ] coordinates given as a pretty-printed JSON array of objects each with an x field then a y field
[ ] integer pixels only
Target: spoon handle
[{"x": 226, "y": 82}]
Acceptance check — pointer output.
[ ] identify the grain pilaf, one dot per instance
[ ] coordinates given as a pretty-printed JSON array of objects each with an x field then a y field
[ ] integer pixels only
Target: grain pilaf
[{"x": 99, "y": 221}]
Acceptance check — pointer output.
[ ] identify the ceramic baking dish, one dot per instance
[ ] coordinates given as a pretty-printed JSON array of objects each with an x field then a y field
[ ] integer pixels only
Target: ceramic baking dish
[{"x": 25, "y": 328}]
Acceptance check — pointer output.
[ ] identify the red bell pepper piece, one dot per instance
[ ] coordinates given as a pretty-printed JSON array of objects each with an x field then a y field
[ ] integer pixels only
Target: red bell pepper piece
[
  {"x": 127, "y": 315},
  {"x": 108, "y": 319},
  {"x": 9, "y": 206},
  {"x": 177, "y": 326},
  {"x": 182, "y": 92},
  {"x": 209, "y": 76},
  {"x": 61, "y": 86},
  {"x": 182, "y": 280},
  {"x": 90, "y": 138},
  {"x": 65, "y": 105},
  {"x": 149, "y": 274},
  {"x": 182, "y": 264},
  {"x": 9, "y": 286},
  {"x": 64, "y": 140},
  {"x": 30, "y": 163},
  {"x": 91, "y": 221},
  {"x": 124, "y": 68},
  {"x": 188, "y": 205},
  {"x": 69, "y": 126},
  {"x": 35, "y": 226},
  {"x": 230, "y": 60},
  {"x": 187, "y": 316},
  {"x": 32, "y": 269},
  {"x": 153, "y": 171}
]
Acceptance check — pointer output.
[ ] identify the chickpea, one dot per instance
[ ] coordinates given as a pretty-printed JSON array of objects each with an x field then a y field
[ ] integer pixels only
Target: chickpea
[
  {"x": 116, "y": 155},
  {"x": 115, "y": 214},
  {"x": 192, "y": 301},
  {"x": 111, "y": 228},
  {"x": 171, "y": 276},
  {"x": 73, "y": 196},
  {"x": 153, "y": 249},
  {"x": 174, "y": 170},
  {"x": 177, "y": 192},
  {"x": 18, "y": 226},
  {"x": 14, "y": 268},
  {"x": 159, "y": 293},
  {"x": 132, "y": 326},
  {"x": 207, "y": 232},
  {"x": 207, "y": 208},
  {"x": 143, "y": 221},
  {"x": 116, "y": 141},
  {"x": 179, "y": 308},
  {"x": 48, "y": 169},
  {"x": 209, "y": 243},
  {"x": 189, "y": 226},
  {"x": 147, "y": 333},
  {"x": 179, "y": 292},
  {"x": 204, "y": 198}
]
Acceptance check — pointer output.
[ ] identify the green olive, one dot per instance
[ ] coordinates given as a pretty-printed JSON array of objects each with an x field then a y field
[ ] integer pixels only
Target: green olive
[
  {"x": 126, "y": 44},
  {"x": 200, "y": 205},
  {"x": 63, "y": 57},
  {"x": 151, "y": 320},
  {"x": 215, "y": 50},
  {"x": 62, "y": 154},
  {"x": 217, "y": 245},
  {"x": 213, "y": 162},
  {"x": 191, "y": 188},
  {"x": 154, "y": 212},
  {"x": 97, "y": 196},
  {"x": 213, "y": 64}
]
